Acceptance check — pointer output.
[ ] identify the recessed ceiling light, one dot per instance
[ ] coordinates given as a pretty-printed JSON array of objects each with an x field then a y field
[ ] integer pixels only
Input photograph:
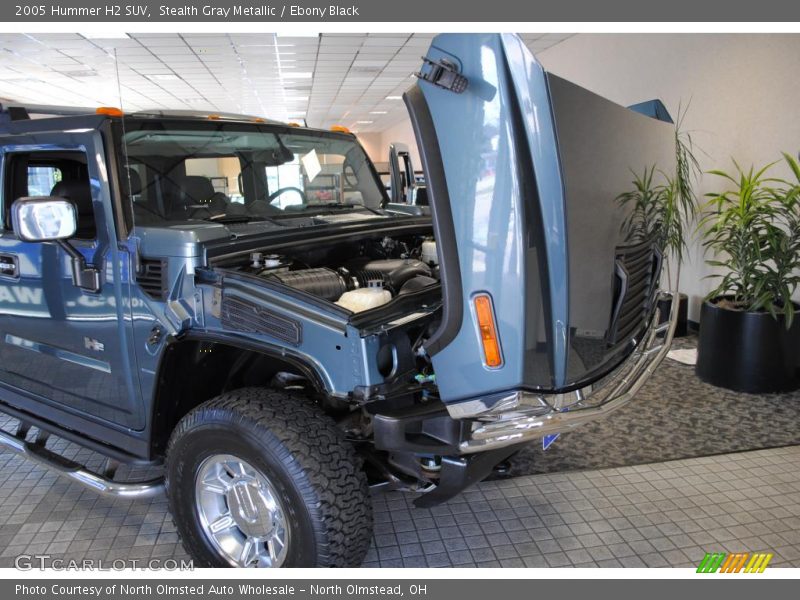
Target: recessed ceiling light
[
  {"x": 81, "y": 73},
  {"x": 106, "y": 35},
  {"x": 394, "y": 97}
]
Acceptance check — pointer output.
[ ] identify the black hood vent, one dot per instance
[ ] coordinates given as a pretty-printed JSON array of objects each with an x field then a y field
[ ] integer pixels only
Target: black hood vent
[{"x": 152, "y": 278}]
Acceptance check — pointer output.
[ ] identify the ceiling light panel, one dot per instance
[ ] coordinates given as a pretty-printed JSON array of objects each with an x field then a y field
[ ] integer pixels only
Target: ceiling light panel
[{"x": 351, "y": 78}]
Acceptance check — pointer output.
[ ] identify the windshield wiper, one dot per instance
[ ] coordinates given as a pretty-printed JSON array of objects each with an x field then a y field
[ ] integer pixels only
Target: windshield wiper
[
  {"x": 338, "y": 205},
  {"x": 232, "y": 219}
]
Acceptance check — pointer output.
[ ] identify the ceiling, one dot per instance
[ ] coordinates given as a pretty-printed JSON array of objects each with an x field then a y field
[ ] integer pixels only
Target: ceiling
[{"x": 354, "y": 80}]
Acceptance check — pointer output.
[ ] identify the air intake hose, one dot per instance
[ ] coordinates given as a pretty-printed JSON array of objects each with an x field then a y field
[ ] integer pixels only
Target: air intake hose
[{"x": 325, "y": 283}]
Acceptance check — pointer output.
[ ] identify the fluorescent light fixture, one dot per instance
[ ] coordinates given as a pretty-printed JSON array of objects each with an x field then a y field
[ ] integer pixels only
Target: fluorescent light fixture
[
  {"x": 365, "y": 122},
  {"x": 298, "y": 35},
  {"x": 394, "y": 97},
  {"x": 106, "y": 35},
  {"x": 80, "y": 73},
  {"x": 298, "y": 75},
  {"x": 164, "y": 77},
  {"x": 378, "y": 112}
]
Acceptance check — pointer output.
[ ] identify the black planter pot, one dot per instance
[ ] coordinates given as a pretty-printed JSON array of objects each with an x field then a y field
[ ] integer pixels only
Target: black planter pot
[
  {"x": 747, "y": 351},
  {"x": 665, "y": 305}
]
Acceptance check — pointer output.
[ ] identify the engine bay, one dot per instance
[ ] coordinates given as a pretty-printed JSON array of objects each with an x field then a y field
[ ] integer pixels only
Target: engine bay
[{"x": 357, "y": 276}]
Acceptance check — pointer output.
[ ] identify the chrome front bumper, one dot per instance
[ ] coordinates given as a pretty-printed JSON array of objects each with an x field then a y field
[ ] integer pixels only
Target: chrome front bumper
[{"x": 519, "y": 417}]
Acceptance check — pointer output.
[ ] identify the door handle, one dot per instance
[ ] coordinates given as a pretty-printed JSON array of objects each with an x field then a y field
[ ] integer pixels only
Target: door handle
[{"x": 9, "y": 265}]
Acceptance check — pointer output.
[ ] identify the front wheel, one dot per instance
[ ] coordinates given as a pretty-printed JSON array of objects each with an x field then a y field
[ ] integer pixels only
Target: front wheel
[{"x": 261, "y": 478}]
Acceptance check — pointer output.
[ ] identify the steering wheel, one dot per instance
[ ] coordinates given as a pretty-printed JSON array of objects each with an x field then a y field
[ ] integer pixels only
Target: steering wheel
[
  {"x": 271, "y": 198},
  {"x": 350, "y": 177}
]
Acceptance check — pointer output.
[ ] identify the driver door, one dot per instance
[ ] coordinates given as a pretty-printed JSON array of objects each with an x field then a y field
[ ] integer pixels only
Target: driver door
[{"x": 60, "y": 344}]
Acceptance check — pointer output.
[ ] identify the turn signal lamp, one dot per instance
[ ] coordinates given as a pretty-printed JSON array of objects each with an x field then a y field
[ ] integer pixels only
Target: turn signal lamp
[
  {"x": 340, "y": 129},
  {"x": 484, "y": 313},
  {"x": 109, "y": 111}
]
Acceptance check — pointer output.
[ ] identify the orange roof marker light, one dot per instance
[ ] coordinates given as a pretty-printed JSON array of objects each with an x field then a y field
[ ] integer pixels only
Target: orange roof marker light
[
  {"x": 340, "y": 129},
  {"x": 213, "y": 117},
  {"x": 293, "y": 124},
  {"x": 109, "y": 111},
  {"x": 484, "y": 312}
]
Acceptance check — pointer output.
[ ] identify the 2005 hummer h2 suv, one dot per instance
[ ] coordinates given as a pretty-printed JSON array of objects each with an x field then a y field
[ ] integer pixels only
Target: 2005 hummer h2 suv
[{"x": 238, "y": 299}]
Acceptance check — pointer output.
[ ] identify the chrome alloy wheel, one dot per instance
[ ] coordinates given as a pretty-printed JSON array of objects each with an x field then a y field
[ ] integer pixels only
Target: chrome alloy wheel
[{"x": 241, "y": 513}]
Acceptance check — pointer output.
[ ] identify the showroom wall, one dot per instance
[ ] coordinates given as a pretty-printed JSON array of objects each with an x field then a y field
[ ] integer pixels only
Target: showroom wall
[
  {"x": 377, "y": 144},
  {"x": 371, "y": 141},
  {"x": 743, "y": 89}
]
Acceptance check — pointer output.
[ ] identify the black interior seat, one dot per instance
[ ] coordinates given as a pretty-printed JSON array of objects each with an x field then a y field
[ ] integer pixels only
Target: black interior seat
[
  {"x": 79, "y": 192},
  {"x": 195, "y": 189},
  {"x": 197, "y": 198},
  {"x": 145, "y": 209},
  {"x": 135, "y": 182}
]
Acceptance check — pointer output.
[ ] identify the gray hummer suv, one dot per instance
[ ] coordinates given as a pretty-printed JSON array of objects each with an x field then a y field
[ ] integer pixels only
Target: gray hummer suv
[{"x": 238, "y": 300}]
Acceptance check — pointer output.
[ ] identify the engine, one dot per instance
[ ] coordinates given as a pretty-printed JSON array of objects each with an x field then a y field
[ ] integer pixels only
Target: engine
[{"x": 355, "y": 277}]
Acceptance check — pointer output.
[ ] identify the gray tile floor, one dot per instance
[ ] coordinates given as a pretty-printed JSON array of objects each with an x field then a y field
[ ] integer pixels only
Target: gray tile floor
[{"x": 657, "y": 515}]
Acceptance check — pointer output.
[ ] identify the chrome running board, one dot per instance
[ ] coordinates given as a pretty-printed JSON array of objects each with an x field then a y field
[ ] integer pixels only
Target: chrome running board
[{"x": 105, "y": 486}]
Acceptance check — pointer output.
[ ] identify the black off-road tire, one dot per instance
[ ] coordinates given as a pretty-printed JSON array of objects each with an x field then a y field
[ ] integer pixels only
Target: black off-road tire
[{"x": 316, "y": 472}]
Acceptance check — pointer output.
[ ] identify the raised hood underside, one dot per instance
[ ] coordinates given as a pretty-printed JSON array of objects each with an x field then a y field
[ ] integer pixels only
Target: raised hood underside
[{"x": 524, "y": 170}]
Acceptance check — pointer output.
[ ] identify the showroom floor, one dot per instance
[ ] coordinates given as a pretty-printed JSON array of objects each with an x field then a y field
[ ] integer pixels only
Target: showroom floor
[
  {"x": 674, "y": 415},
  {"x": 657, "y": 515}
]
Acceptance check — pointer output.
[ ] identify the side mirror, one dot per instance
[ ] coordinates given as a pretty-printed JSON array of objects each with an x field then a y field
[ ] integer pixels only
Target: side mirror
[
  {"x": 43, "y": 219},
  {"x": 54, "y": 219}
]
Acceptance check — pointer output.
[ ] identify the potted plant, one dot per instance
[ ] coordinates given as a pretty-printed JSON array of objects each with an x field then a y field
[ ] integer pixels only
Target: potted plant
[
  {"x": 749, "y": 337},
  {"x": 664, "y": 212}
]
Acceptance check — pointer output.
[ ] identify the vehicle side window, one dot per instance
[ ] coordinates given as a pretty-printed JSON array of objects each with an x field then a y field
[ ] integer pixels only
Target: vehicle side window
[{"x": 63, "y": 174}]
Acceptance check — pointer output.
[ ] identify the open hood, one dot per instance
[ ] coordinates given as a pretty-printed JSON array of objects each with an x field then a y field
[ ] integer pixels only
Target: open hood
[{"x": 524, "y": 171}]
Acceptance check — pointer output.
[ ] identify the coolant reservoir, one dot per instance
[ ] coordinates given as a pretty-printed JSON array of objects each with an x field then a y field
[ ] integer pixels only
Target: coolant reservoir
[
  {"x": 429, "y": 255},
  {"x": 364, "y": 298}
]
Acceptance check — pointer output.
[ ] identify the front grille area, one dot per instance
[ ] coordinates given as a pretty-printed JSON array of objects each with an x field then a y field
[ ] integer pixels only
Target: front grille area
[
  {"x": 245, "y": 316},
  {"x": 638, "y": 267}
]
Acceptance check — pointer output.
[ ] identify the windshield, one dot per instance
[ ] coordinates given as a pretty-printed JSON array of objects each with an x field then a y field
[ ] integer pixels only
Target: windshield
[{"x": 180, "y": 171}]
